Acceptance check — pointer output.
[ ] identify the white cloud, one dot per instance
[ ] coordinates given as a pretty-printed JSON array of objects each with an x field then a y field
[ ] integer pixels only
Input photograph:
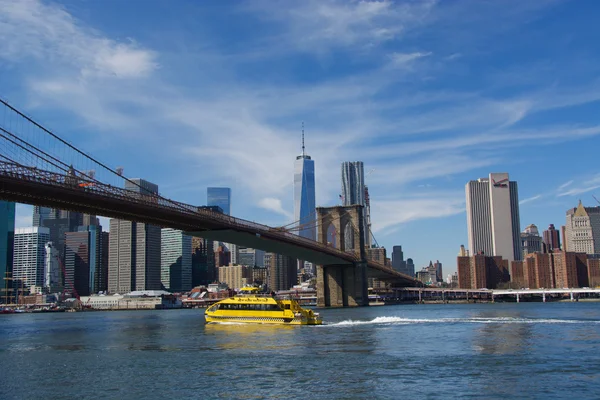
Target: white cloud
[
  {"x": 403, "y": 60},
  {"x": 586, "y": 186},
  {"x": 317, "y": 25},
  {"x": 389, "y": 213},
  {"x": 31, "y": 29},
  {"x": 252, "y": 132},
  {"x": 530, "y": 199},
  {"x": 273, "y": 204}
]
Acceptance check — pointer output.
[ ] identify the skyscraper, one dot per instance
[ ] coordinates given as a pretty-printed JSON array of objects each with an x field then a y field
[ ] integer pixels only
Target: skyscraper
[
  {"x": 582, "y": 233},
  {"x": 7, "y": 243},
  {"x": 40, "y": 214},
  {"x": 531, "y": 242},
  {"x": 133, "y": 257},
  {"x": 353, "y": 183},
  {"x": 282, "y": 271},
  {"x": 134, "y": 250},
  {"x": 398, "y": 262},
  {"x": 304, "y": 193},
  {"x": 29, "y": 256},
  {"x": 493, "y": 217},
  {"x": 219, "y": 196},
  {"x": 551, "y": 238},
  {"x": 176, "y": 260},
  {"x": 203, "y": 262},
  {"x": 354, "y": 192},
  {"x": 86, "y": 260}
]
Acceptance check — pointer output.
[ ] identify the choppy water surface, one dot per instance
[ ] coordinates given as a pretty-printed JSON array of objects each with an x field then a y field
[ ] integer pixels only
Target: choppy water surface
[{"x": 527, "y": 350}]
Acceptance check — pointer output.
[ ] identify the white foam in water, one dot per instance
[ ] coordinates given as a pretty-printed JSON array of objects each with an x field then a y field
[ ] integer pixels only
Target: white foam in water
[{"x": 472, "y": 320}]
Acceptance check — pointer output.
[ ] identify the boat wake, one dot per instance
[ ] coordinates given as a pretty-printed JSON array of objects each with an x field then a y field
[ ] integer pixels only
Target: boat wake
[{"x": 469, "y": 320}]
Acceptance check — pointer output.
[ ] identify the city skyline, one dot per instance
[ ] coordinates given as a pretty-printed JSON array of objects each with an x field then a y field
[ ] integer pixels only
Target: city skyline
[{"x": 425, "y": 112}]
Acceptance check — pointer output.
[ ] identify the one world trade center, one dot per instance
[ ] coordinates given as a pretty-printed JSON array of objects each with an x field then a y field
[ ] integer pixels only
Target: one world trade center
[{"x": 304, "y": 193}]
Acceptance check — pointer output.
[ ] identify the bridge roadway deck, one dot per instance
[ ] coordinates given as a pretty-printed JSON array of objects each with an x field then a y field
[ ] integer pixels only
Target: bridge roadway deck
[
  {"x": 504, "y": 292},
  {"x": 45, "y": 188}
]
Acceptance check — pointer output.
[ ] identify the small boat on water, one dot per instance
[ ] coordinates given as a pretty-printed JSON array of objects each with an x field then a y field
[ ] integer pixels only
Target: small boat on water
[{"x": 249, "y": 306}]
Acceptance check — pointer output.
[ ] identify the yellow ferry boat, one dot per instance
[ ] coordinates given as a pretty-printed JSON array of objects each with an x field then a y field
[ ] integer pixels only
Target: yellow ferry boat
[{"x": 251, "y": 307}]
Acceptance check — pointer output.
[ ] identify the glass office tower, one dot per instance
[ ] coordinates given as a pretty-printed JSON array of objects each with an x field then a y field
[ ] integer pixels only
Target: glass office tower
[{"x": 219, "y": 196}]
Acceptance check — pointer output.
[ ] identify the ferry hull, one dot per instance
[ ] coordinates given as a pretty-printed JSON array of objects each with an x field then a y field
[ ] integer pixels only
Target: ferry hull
[{"x": 262, "y": 320}]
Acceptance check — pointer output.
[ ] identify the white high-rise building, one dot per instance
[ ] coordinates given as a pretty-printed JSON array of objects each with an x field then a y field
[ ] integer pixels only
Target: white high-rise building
[
  {"x": 29, "y": 260},
  {"x": 134, "y": 249},
  {"x": 493, "y": 217},
  {"x": 176, "y": 260},
  {"x": 250, "y": 257},
  {"x": 583, "y": 229},
  {"x": 53, "y": 275}
]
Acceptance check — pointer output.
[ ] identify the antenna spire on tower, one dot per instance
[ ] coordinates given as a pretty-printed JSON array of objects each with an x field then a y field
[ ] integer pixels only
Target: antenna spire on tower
[{"x": 303, "y": 138}]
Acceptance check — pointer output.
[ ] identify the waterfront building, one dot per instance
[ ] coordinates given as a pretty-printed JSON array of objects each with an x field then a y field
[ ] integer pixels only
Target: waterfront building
[
  {"x": 86, "y": 260},
  {"x": 29, "y": 257},
  {"x": 570, "y": 269},
  {"x": 493, "y": 217},
  {"x": 563, "y": 234},
  {"x": 134, "y": 257},
  {"x": 539, "y": 270},
  {"x": 219, "y": 196},
  {"x": 176, "y": 260},
  {"x": 7, "y": 244},
  {"x": 235, "y": 276},
  {"x": 424, "y": 276},
  {"x": 282, "y": 271},
  {"x": 551, "y": 239},
  {"x": 583, "y": 230},
  {"x": 531, "y": 241},
  {"x": 53, "y": 274},
  {"x": 593, "y": 265},
  {"x": 134, "y": 249},
  {"x": 480, "y": 271},
  {"x": 203, "y": 262},
  {"x": 377, "y": 254},
  {"x": 260, "y": 276},
  {"x": 353, "y": 192}
]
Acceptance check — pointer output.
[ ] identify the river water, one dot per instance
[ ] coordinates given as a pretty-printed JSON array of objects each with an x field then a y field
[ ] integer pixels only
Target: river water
[{"x": 526, "y": 350}]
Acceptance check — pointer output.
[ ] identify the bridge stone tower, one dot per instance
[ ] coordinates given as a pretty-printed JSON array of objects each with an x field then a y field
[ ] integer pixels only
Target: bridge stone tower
[{"x": 343, "y": 285}]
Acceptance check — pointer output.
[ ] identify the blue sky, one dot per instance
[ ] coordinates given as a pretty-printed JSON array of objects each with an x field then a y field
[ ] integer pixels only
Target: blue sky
[{"x": 429, "y": 94}]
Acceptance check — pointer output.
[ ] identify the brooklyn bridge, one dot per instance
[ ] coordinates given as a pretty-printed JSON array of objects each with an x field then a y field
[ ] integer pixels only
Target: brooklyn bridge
[{"x": 38, "y": 167}]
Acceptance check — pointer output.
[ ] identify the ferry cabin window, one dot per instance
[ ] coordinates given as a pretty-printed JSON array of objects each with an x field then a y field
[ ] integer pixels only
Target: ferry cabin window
[{"x": 251, "y": 307}]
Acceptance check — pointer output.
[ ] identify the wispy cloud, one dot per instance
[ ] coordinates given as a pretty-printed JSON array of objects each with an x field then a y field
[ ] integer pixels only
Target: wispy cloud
[
  {"x": 565, "y": 185},
  {"x": 530, "y": 199},
  {"x": 274, "y": 205},
  {"x": 403, "y": 60},
  {"x": 50, "y": 34},
  {"x": 389, "y": 213},
  {"x": 586, "y": 186},
  {"x": 245, "y": 133},
  {"x": 317, "y": 25}
]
